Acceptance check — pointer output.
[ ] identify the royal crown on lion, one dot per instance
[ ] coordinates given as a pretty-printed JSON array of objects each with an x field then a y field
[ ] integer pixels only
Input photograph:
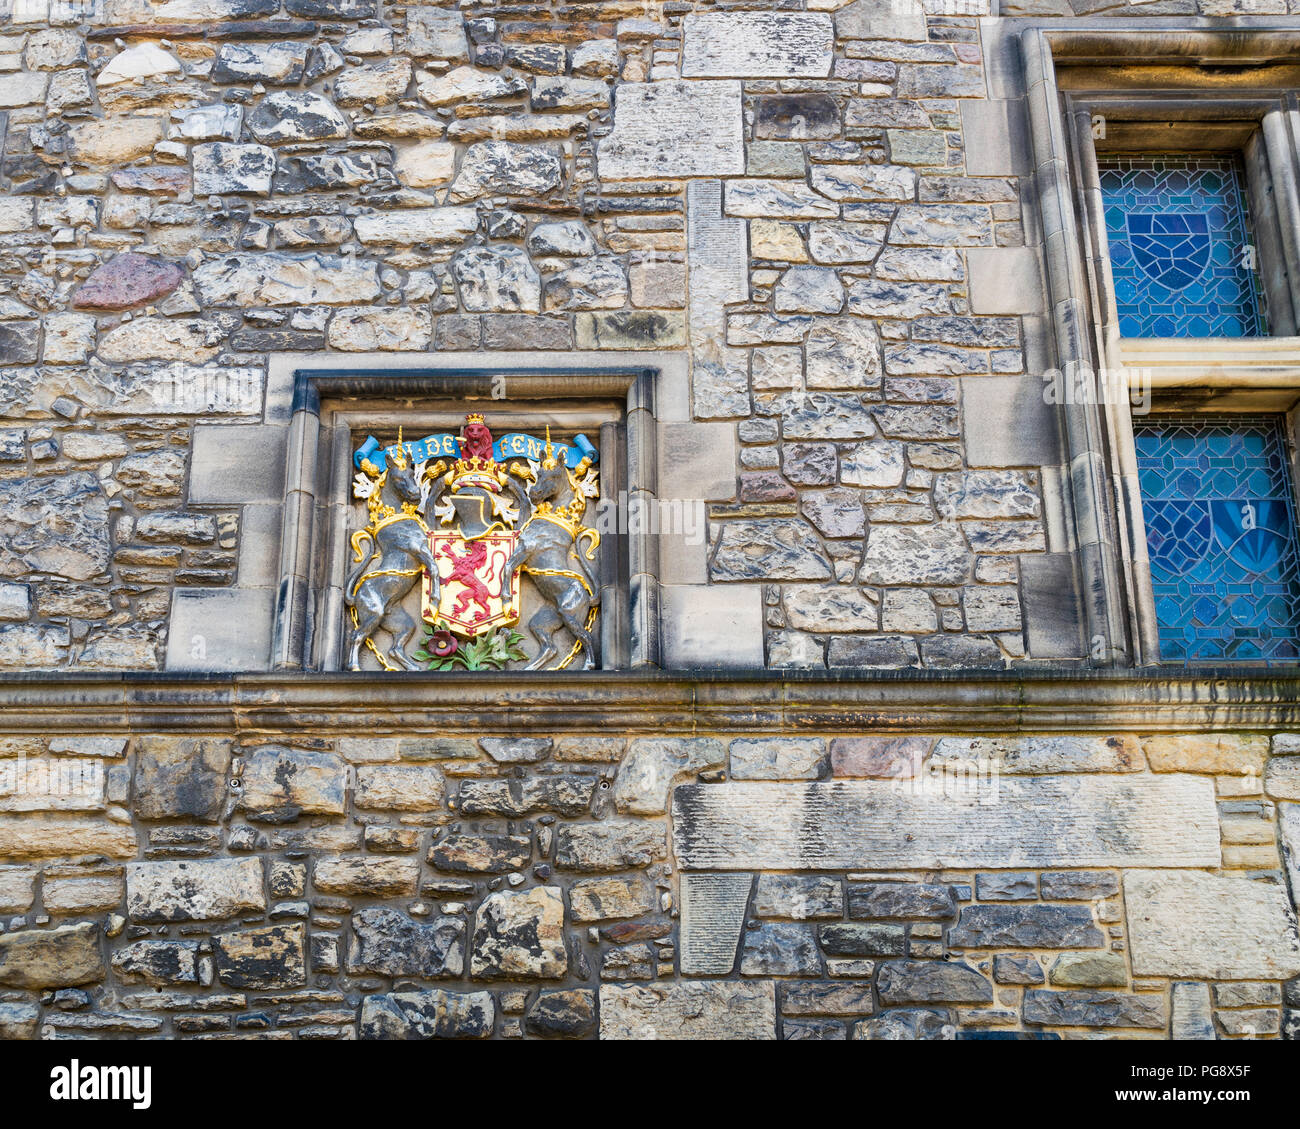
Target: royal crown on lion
[{"x": 466, "y": 516}]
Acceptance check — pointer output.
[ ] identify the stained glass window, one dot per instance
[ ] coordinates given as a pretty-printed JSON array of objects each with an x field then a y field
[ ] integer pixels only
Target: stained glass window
[
  {"x": 1181, "y": 250},
  {"x": 1221, "y": 533}
]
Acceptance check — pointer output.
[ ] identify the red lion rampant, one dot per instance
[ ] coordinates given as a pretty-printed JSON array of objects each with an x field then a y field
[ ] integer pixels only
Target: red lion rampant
[{"x": 465, "y": 568}]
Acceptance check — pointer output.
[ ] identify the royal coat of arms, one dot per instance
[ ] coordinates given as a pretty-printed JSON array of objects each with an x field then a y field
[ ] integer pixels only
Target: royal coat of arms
[{"x": 465, "y": 516}]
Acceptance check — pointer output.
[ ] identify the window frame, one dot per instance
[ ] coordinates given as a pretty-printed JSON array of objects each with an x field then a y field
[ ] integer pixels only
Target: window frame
[{"x": 1152, "y": 84}]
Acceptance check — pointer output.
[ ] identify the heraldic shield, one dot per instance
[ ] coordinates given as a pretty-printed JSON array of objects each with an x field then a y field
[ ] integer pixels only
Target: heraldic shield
[{"x": 470, "y": 600}]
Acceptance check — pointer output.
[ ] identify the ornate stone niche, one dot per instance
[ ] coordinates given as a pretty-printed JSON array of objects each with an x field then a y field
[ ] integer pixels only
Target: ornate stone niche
[{"x": 525, "y": 538}]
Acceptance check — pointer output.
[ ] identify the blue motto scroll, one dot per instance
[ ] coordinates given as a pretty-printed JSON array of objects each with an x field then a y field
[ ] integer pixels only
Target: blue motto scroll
[{"x": 447, "y": 446}]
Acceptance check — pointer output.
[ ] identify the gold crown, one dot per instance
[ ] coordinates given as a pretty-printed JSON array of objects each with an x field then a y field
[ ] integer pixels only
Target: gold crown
[{"x": 474, "y": 417}]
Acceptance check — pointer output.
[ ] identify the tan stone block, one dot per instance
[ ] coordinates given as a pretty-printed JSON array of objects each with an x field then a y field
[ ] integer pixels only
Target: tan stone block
[
  {"x": 401, "y": 787},
  {"x": 51, "y": 958},
  {"x": 34, "y": 836},
  {"x": 701, "y": 1009},
  {"x": 1251, "y": 858},
  {"x": 17, "y": 888},
  {"x": 1219, "y": 753},
  {"x": 82, "y": 893},
  {"x": 379, "y": 877}
]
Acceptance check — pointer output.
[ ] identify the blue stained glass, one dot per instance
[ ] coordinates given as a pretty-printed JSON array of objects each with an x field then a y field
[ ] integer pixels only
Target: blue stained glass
[
  {"x": 1221, "y": 535},
  {"x": 1179, "y": 231}
]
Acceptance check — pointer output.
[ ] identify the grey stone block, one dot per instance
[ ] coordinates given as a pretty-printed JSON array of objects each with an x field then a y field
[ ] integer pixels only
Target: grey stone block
[
  {"x": 227, "y": 630},
  {"x": 1005, "y": 280},
  {"x": 259, "y": 546},
  {"x": 1051, "y": 605},
  {"x": 709, "y": 625},
  {"x": 238, "y": 464},
  {"x": 697, "y": 460},
  {"x": 996, "y": 134},
  {"x": 1007, "y": 421}
]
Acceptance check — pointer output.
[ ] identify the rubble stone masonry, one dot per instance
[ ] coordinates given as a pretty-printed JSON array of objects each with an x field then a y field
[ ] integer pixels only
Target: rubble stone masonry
[{"x": 826, "y": 209}]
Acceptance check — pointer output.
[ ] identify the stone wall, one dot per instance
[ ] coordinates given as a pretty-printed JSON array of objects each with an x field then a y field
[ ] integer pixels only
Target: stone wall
[
  {"x": 818, "y": 207},
  {"x": 296, "y": 885}
]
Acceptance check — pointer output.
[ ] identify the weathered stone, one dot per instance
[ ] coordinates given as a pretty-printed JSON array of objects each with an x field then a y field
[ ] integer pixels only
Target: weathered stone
[
  {"x": 1078, "y": 885},
  {"x": 834, "y": 513},
  {"x": 327, "y": 171},
  {"x": 901, "y": 899},
  {"x": 798, "y": 896},
  {"x": 417, "y": 225},
  {"x": 500, "y": 278},
  {"x": 281, "y": 784},
  {"x": 1089, "y": 970},
  {"x": 777, "y": 200},
  {"x": 793, "y": 117},
  {"x": 380, "y": 329},
  {"x": 367, "y": 875},
  {"x": 181, "y": 778},
  {"x": 18, "y": 1021},
  {"x": 1094, "y": 1009},
  {"x": 612, "y": 844},
  {"x": 757, "y": 45},
  {"x": 218, "y": 122},
  {"x": 520, "y": 935},
  {"x": 378, "y": 85},
  {"x": 602, "y": 899},
  {"x": 56, "y": 524},
  {"x": 780, "y": 949},
  {"x": 284, "y": 280},
  {"x": 401, "y": 787},
  {"x": 51, "y": 958},
  {"x": 700, "y": 1009},
  {"x": 932, "y": 981},
  {"x": 909, "y": 1024},
  {"x": 842, "y": 353},
  {"x": 567, "y": 1015},
  {"x": 631, "y": 329},
  {"x": 1038, "y": 822},
  {"x": 19, "y": 343},
  {"x": 435, "y": 33},
  {"x": 897, "y": 758},
  {"x": 778, "y": 758},
  {"x": 271, "y": 957},
  {"x": 431, "y": 1014},
  {"x": 17, "y": 888},
  {"x": 387, "y": 942},
  {"x": 280, "y": 64},
  {"x": 591, "y": 284},
  {"x": 26, "y": 835},
  {"x": 162, "y": 339},
  {"x": 777, "y": 549},
  {"x": 654, "y": 765},
  {"x": 1013, "y": 968},
  {"x": 819, "y": 415},
  {"x": 517, "y": 750},
  {"x": 853, "y": 940},
  {"x": 199, "y": 890},
  {"x": 220, "y": 167},
  {"x": 902, "y": 554},
  {"x": 114, "y": 142},
  {"x": 1190, "y": 1015},
  {"x": 158, "y": 963},
  {"x": 426, "y": 164},
  {"x": 126, "y": 281},
  {"x": 291, "y": 115},
  {"x": 561, "y": 795},
  {"x": 466, "y": 84},
  {"x": 1025, "y": 926},
  {"x": 1243, "y": 930},
  {"x": 809, "y": 290},
  {"x": 1037, "y": 755},
  {"x": 674, "y": 129},
  {"x": 559, "y": 93},
  {"x": 508, "y": 169}
]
